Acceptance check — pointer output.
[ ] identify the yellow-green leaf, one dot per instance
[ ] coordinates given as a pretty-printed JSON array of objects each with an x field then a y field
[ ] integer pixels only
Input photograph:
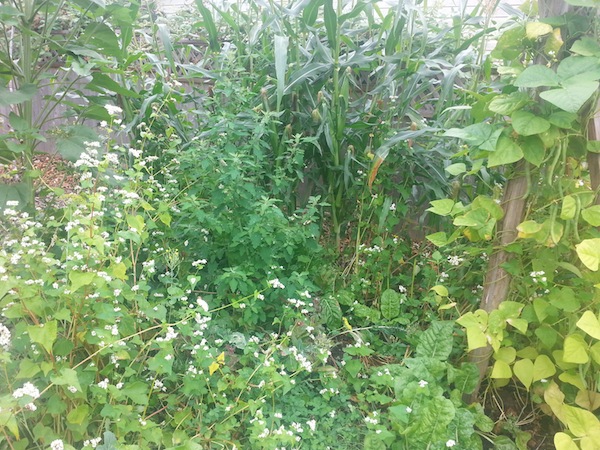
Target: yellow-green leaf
[
  {"x": 79, "y": 279},
  {"x": 524, "y": 372},
  {"x": 590, "y": 324},
  {"x": 575, "y": 350},
  {"x": 534, "y": 30},
  {"x": 543, "y": 367},
  {"x": 44, "y": 334},
  {"x": 506, "y": 354},
  {"x": 592, "y": 215},
  {"x": 562, "y": 441},
  {"x": 501, "y": 370},
  {"x": 572, "y": 378},
  {"x": 589, "y": 253},
  {"x": 440, "y": 290}
]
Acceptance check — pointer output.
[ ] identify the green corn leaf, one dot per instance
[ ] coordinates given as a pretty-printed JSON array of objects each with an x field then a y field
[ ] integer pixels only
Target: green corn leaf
[{"x": 209, "y": 25}]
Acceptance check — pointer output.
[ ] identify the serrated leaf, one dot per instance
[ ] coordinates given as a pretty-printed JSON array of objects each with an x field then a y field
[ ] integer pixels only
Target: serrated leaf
[
  {"x": 589, "y": 253},
  {"x": 523, "y": 370},
  {"x": 590, "y": 324},
  {"x": 390, "y": 304},
  {"x": 528, "y": 124}
]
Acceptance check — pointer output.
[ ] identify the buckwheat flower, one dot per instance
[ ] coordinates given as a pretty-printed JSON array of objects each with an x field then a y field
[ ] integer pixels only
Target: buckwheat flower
[
  {"x": 402, "y": 289},
  {"x": 312, "y": 424},
  {"x": 168, "y": 357},
  {"x": 393, "y": 207},
  {"x": 4, "y": 337},
  {"x": 135, "y": 153},
  {"x": 423, "y": 383},
  {"x": 57, "y": 444},
  {"x": 202, "y": 304},
  {"x": 276, "y": 284},
  {"x": 72, "y": 389},
  {"x": 113, "y": 110},
  {"x": 455, "y": 260},
  {"x": 27, "y": 389},
  {"x": 450, "y": 443},
  {"x": 103, "y": 384},
  {"x": 408, "y": 409}
]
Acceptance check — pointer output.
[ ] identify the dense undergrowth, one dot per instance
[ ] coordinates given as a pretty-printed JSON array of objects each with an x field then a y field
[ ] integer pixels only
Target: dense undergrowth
[{"x": 244, "y": 264}]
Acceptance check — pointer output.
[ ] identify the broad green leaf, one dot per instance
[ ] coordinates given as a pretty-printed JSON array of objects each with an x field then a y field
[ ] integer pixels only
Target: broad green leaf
[
  {"x": 523, "y": 370},
  {"x": 572, "y": 377},
  {"x": 592, "y": 215},
  {"x": 571, "y": 97},
  {"x": 67, "y": 377},
  {"x": 482, "y": 135},
  {"x": 506, "y": 104},
  {"x": 562, "y": 119},
  {"x": 137, "y": 392},
  {"x": 28, "y": 369},
  {"x": 537, "y": 76},
  {"x": 136, "y": 222},
  {"x": 528, "y": 228},
  {"x": 9, "y": 97},
  {"x": 440, "y": 290},
  {"x": 595, "y": 352},
  {"x": 569, "y": 207},
  {"x": 436, "y": 341},
  {"x": 79, "y": 279},
  {"x": 581, "y": 422},
  {"x": 543, "y": 367},
  {"x": 582, "y": 68},
  {"x": 456, "y": 169},
  {"x": 281, "y": 49},
  {"x": 507, "y": 152},
  {"x": 506, "y": 354},
  {"x": 589, "y": 253},
  {"x": 44, "y": 334},
  {"x": 590, "y": 324},
  {"x": 79, "y": 415},
  {"x": 490, "y": 205},
  {"x": 501, "y": 370},
  {"x": 562, "y": 441},
  {"x": 586, "y": 46},
  {"x": 390, "y": 304},
  {"x": 444, "y": 207},
  {"x": 332, "y": 313},
  {"x": 438, "y": 239},
  {"x": 534, "y": 151},
  {"x": 474, "y": 324},
  {"x": 528, "y": 124},
  {"x": 575, "y": 350},
  {"x": 534, "y": 30},
  {"x": 547, "y": 335}
]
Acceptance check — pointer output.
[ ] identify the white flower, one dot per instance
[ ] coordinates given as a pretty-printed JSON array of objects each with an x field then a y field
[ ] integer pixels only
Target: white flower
[
  {"x": 57, "y": 445},
  {"x": 276, "y": 284},
  {"x": 402, "y": 289},
  {"x": 450, "y": 443},
  {"x": 408, "y": 409},
  {"x": 423, "y": 383},
  {"x": 27, "y": 389},
  {"x": 202, "y": 304},
  {"x": 113, "y": 110},
  {"x": 103, "y": 384},
  {"x": 4, "y": 337},
  {"x": 312, "y": 424},
  {"x": 72, "y": 389}
]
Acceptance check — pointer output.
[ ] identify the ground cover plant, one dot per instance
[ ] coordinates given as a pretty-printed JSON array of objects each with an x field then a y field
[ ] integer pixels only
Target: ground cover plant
[{"x": 243, "y": 262}]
